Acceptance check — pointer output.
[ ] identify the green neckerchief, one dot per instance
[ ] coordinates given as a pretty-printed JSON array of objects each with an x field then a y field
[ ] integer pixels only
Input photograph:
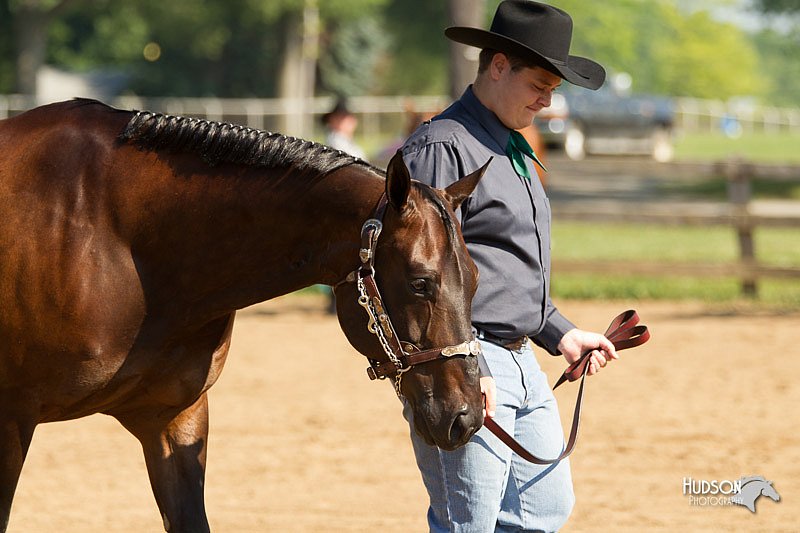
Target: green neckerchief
[{"x": 516, "y": 147}]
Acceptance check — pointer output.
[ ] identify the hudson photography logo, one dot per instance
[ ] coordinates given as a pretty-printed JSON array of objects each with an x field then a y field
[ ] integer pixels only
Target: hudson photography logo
[{"x": 744, "y": 491}]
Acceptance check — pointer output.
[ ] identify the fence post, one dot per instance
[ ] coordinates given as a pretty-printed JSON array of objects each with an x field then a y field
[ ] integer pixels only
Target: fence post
[{"x": 740, "y": 191}]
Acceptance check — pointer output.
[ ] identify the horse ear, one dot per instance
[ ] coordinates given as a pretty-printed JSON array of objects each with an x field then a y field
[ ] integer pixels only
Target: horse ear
[
  {"x": 398, "y": 182},
  {"x": 460, "y": 190}
]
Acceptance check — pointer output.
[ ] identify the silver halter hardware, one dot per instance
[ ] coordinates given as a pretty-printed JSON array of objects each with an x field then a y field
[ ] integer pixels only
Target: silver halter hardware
[{"x": 401, "y": 355}]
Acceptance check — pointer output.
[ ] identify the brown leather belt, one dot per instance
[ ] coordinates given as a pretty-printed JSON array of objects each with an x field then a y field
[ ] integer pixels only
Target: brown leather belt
[
  {"x": 624, "y": 332},
  {"x": 508, "y": 344}
]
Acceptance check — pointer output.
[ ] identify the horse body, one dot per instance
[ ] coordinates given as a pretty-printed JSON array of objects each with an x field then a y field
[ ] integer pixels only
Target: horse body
[
  {"x": 121, "y": 270},
  {"x": 123, "y": 282},
  {"x": 63, "y": 263}
]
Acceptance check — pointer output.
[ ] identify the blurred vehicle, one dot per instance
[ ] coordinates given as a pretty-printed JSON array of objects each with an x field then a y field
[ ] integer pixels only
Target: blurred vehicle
[{"x": 608, "y": 121}]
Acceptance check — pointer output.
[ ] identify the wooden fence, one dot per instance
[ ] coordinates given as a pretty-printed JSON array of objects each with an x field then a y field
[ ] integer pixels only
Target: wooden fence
[{"x": 740, "y": 213}]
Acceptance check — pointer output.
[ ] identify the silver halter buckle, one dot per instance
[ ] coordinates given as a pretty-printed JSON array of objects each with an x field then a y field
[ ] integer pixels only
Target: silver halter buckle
[
  {"x": 472, "y": 347},
  {"x": 374, "y": 226}
]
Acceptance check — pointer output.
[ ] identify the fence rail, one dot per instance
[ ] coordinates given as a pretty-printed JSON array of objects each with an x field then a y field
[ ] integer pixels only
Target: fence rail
[
  {"x": 697, "y": 115},
  {"x": 382, "y": 114},
  {"x": 294, "y": 116},
  {"x": 740, "y": 213}
]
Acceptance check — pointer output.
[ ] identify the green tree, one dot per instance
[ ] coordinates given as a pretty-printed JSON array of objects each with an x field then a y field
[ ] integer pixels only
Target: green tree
[
  {"x": 418, "y": 50},
  {"x": 778, "y": 6},
  {"x": 778, "y": 53},
  {"x": 7, "y": 52},
  {"x": 98, "y": 35},
  {"x": 208, "y": 48},
  {"x": 31, "y": 21},
  {"x": 707, "y": 59},
  {"x": 610, "y": 35},
  {"x": 667, "y": 50},
  {"x": 223, "y": 48},
  {"x": 351, "y": 51},
  {"x": 235, "y": 47}
]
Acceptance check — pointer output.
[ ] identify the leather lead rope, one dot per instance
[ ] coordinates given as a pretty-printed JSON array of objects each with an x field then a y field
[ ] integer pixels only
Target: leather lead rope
[{"x": 623, "y": 333}]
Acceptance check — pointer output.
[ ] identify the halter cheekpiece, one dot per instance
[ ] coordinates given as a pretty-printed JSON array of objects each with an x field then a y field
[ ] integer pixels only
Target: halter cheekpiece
[{"x": 401, "y": 355}]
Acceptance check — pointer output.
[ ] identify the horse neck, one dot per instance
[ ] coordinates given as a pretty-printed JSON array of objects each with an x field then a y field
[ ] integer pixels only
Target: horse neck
[{"x": 232, "y": 241}]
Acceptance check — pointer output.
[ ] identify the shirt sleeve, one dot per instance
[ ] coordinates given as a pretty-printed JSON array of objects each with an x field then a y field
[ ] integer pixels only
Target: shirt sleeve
[
  {"x": 555, "y": 326},
  {"x": 437, "y": 164}
]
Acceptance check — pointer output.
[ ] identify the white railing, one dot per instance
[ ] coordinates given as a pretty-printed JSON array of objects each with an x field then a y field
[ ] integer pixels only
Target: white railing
[
  {"x": 382, "y": 115},
  {"x": 698, "y": 115},
  {"x": 294, "y": 116}
]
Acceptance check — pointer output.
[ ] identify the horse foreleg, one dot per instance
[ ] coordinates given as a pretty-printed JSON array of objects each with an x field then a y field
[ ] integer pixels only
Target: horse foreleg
[
  {"x": 16, "y": 431},
  {"x": 175, "y": 454}
]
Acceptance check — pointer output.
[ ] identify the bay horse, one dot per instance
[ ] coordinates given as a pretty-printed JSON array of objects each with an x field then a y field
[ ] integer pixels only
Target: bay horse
[{"x": 130, "y": 239}]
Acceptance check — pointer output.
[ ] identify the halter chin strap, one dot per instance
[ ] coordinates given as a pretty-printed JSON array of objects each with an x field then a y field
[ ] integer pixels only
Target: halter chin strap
[{"x": 401, "y": 355}]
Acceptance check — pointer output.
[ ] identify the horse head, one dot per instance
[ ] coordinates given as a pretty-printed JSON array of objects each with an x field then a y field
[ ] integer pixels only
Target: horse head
[
  {"x": 751, "y": 488},
  {"x": 427, "y": 281},
  {"x": 769, "y": 491}
]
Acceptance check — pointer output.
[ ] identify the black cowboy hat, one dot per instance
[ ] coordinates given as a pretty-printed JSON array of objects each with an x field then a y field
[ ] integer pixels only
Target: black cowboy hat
[
  {"x": 536, "y": 32},
  {"x": 339, "y": 109}
]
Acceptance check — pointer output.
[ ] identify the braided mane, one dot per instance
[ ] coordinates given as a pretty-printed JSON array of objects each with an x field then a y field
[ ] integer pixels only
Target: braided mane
[{"x": 218, "y": 142}]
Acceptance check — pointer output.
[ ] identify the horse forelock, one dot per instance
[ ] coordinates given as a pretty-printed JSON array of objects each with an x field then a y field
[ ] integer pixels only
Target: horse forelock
[
  {"x": 430, "y": 194},
  {"x": 218, "y": 142}
]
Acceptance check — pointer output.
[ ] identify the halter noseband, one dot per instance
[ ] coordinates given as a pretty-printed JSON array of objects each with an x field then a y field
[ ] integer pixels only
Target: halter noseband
[{"x": 401, "y": 355}]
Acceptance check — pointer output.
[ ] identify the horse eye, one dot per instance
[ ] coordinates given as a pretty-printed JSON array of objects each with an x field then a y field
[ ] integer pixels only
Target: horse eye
[{"x": 420, "y": 286}]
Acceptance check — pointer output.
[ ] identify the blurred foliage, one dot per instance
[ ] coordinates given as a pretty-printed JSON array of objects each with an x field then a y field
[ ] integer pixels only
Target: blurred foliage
[
  {"x": 778, "y": 6},
  {"x": 7, "y": 53},
  {"x": 418, "y": 51},
  {"x": 209, "y": 48},
  {"x": 214, "y": 48},
  {"x": 233, "y": 48},
  {"x": 666, "y": 50},
  {"x": 117, "y": 37},
  {"x": 352, "y": 48},
  {"x": 779, "y": 52}
]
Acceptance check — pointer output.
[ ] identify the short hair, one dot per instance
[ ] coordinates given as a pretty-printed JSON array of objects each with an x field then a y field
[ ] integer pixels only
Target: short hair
[{"x": 516, "y": 62}]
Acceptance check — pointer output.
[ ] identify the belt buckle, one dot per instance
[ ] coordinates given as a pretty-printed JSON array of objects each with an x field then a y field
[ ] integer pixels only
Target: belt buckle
[{"x": 516, "y": 344}]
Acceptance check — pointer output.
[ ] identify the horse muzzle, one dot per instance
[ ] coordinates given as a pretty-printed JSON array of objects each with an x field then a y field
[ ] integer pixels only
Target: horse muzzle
[{"x": 446, "y": 428}]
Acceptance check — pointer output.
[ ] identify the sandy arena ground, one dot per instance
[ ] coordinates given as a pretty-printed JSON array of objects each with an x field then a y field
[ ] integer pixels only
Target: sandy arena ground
[{"x": 714, "y": 395}]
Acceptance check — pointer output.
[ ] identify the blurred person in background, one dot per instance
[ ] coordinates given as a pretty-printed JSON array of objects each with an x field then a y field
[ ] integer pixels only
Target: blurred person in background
[{"x": 340, "y": 127}]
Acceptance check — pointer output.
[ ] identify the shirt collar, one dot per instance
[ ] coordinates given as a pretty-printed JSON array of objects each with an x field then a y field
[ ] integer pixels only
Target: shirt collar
[{"x": 496, "y": 129}]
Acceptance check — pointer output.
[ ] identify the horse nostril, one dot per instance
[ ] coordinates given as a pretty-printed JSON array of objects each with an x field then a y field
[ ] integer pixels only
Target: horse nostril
[{"x": 462, "y": 428}]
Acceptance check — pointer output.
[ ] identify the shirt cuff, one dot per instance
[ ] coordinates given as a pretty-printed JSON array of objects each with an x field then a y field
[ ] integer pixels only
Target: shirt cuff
[{"x": 554, "y": 329}]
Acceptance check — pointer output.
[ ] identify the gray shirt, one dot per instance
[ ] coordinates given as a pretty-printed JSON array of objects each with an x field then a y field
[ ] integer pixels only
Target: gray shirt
[{"x": 506, "y": 221}]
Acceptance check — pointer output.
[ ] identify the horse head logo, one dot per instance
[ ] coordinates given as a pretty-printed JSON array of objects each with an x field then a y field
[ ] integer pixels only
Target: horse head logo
[{"x": 751, "y": 488}]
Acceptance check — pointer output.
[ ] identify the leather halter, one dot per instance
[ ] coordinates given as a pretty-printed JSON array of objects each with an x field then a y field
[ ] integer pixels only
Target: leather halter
[
  {"x": 623, "y": 333},
  {"x": 402, "y": 355}
]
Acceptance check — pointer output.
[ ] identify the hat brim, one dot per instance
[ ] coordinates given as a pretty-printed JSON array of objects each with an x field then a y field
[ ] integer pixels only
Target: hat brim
[{"x": 577, "y": 70}]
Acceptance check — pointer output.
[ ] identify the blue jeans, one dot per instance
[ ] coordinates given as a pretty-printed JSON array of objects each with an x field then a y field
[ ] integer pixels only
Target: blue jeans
[{"x": 483, "y": 486}]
